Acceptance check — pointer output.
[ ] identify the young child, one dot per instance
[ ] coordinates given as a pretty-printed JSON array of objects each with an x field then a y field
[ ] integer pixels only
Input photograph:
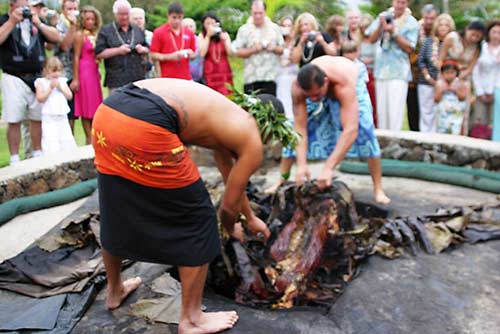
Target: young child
[
  {"x": 450, "y": 94},
  {"x": 53, "y": 91},
  {"x": 350, "y": 50}
]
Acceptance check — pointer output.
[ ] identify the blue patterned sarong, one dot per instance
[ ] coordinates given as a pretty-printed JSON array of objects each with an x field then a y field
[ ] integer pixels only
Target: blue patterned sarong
[{"x": 324, "y": 128}]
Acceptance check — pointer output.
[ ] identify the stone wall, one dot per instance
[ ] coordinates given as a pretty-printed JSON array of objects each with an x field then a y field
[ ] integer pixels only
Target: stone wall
[
  {"x": 35, "y": 176},
  {"x": 41, "y": 175},
  {"x": 439, "y": 148}
]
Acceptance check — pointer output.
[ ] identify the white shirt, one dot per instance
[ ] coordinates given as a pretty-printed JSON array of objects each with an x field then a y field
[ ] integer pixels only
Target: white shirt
[{"x": 486, "y": 73}]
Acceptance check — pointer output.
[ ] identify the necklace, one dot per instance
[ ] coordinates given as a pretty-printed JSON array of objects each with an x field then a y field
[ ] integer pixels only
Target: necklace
[
  {"x": 216, "y": 53},
  {"x": 91, "y": 36},
  {"x": 132, "y": 37},
  {"x": 174, "y": 43},
  {"x": 307, "y": 58},
  {"x": 436, "y": 46}
]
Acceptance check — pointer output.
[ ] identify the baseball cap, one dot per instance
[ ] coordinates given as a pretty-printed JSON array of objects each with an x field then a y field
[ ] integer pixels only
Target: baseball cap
[{"x": 37, "y": 3}]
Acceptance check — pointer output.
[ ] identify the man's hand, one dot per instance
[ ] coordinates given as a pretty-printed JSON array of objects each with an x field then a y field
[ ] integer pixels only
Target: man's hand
[
  {"x": 124, "y": 49},
  {"x": 72, "y": 18},
  {"x": 141, "y": 49},
  {"x": 302, "y": 175},
  {"x": 36, "y": 19},
  {"x": 258, "y": 227},
  {"x": 325, "y": 178},
  {"x": 16, "y": 16}
]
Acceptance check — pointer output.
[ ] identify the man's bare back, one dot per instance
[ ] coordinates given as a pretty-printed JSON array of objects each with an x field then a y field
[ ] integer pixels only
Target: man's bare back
[
  {"x": 341, "y": 74},
  {"x": 206, "y": 117}
]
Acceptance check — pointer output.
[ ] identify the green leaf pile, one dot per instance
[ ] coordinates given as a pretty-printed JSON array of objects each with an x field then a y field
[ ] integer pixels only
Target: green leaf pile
[{"x": 272, "y": 125}]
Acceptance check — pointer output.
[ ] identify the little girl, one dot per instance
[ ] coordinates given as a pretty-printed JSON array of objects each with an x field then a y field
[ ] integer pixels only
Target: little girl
[
  {"x": 450, "y": 94},
  {"x": 52, "y": 90}
]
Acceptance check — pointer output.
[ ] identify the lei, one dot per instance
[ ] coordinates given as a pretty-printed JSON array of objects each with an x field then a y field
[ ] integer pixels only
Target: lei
[{"x": 272, "y": 125}]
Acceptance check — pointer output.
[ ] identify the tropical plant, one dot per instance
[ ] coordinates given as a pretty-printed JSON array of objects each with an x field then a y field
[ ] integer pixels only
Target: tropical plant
[{"x": 272, "y": 125}]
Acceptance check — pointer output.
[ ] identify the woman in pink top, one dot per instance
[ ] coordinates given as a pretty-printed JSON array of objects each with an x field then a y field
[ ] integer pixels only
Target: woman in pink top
[{"x": 87, "y": 80}]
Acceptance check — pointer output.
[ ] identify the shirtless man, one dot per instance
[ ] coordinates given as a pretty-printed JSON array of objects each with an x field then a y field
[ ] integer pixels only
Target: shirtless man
[
  {"x": 154, "y": 206},
  {"x": 344, "y": 125}
]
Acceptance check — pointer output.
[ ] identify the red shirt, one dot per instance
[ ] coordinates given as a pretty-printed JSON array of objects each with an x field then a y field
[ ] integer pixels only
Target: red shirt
[{"x": 166, "y": 41}]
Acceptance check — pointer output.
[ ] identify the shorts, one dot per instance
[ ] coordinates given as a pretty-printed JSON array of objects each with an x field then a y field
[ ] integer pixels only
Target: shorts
[{"x": 18, "y": 101}]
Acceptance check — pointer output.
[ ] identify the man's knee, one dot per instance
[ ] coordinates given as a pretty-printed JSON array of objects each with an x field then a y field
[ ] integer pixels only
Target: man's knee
[{"x": 14, "y": 126}]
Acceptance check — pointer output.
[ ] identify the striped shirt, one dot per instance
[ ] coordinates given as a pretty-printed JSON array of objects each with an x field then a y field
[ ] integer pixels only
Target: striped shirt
[{"x": 428, "y": 57}]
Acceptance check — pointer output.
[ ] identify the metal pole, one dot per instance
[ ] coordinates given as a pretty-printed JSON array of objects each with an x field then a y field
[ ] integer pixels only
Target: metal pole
[{"x": 446, "y": 7}]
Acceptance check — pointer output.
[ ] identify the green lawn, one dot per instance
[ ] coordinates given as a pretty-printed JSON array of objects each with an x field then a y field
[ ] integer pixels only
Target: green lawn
[{"x": 4, "y": 148}]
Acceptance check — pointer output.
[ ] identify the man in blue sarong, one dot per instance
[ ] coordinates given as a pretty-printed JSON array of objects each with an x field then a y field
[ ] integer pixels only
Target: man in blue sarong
[{"x": 341, "y": 125}]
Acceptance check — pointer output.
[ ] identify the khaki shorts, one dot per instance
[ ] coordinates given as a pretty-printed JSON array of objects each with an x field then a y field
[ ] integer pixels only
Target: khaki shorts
[{"x": 18, "y": 101}]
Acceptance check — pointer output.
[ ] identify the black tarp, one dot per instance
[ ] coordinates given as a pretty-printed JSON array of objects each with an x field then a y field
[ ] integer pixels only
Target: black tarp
[{"x": 54, "y": 289}]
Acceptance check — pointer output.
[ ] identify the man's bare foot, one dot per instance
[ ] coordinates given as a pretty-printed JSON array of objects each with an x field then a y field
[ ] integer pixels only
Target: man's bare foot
[
  {"x": 272, "y": 189},
  {"x": 381, "y": 197},
  {"x": 114, "y": 299},
  {"x": 209, "y": 322}
]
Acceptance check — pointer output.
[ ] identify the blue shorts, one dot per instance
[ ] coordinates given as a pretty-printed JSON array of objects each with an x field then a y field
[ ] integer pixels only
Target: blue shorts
[{"x": 324, "y": 129}]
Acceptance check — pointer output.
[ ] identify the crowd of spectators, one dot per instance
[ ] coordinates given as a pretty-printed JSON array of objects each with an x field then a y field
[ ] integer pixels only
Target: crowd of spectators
[{"x": 447, "y": 81}]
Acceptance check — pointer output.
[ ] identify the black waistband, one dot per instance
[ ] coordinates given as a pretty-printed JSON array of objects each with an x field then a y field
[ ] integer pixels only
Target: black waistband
[{"x": 142, "y": 104}]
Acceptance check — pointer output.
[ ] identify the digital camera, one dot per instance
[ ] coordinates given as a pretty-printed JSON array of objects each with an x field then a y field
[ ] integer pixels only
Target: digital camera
[
  {"x": 312, "y": 36},
  {"x": 389, "y": 18},
  {"x": 26, "y": 13},
  {"x": 217, "y": 29}
]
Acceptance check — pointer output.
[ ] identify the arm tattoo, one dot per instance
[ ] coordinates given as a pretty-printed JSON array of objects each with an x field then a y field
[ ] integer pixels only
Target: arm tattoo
[{"x": 181, "y": 108}]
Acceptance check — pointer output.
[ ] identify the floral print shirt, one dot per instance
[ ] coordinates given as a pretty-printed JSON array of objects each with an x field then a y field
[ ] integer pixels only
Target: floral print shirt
[{"x": 391, "y": 62}]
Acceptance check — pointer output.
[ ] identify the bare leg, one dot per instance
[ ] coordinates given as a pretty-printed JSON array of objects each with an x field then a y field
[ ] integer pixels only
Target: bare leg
[
  {"x": 36, "y": 134},
  {"x": 375, "y": 168},
  {"x": 193, "y": 320},
  {"x": 14, "y": 137},
  {"x": 117, "y": 289},
  {"x": 87, "y": 128},
  {"x": 26, "y": 138},
  {"x": 72, "y": 125},
  {"x": 285, "y": 168}
]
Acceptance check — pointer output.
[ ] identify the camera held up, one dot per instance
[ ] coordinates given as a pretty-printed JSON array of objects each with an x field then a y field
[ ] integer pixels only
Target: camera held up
[
  {"x": 26, "y": 13},
  {"x": 389, "y": 17}
]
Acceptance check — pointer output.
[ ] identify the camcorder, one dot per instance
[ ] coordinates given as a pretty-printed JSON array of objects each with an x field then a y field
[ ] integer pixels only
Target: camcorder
[{"x": 26, "y": 13}]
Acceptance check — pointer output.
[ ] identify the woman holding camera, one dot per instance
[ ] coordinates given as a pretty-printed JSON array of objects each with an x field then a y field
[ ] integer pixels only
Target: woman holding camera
[
  {"x": 215, "y": 47},
  {"x": 312, "y": 43}
]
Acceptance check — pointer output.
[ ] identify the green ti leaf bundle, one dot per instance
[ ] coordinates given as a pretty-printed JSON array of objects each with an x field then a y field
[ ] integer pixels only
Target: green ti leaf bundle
[{"x": 272, "y": 124}]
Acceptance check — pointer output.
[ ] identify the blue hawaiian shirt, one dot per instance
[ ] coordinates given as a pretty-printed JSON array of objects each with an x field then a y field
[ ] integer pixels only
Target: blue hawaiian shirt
[{"x": 391, "y": 62}]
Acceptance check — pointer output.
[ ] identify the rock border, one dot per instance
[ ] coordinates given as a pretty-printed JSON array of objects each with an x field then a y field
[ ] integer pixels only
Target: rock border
[{"x": 40, "y": 175}]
